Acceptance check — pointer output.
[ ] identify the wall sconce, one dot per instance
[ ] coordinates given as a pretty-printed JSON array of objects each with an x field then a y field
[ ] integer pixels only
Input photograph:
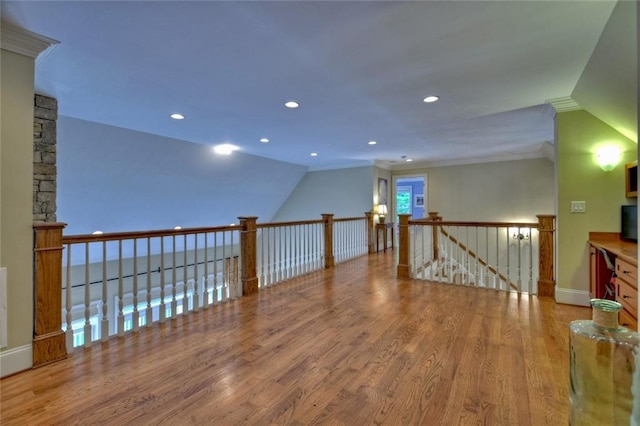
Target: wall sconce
[
  {"x": 520, "y": 233},
  {"x": 608, "y": 158},
  {"x": 382, "y": 212}
]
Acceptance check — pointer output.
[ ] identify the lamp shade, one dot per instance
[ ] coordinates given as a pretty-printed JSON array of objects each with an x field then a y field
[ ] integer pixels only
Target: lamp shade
[{"x": 382, "y": 209}]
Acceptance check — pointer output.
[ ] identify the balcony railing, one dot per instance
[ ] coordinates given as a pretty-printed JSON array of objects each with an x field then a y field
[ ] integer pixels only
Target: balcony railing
[{"x": 92, "y": 287}]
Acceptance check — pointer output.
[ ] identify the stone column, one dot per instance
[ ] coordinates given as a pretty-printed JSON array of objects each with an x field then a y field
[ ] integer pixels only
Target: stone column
[{"x": 44, "y": 158}]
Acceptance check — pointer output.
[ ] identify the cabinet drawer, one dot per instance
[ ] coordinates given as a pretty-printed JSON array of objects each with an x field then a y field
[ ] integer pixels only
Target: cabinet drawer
[
  {"x": 626, "y": 320},
  {"x": 627, "y": 272},
  {"x": 628, "y": 296}
]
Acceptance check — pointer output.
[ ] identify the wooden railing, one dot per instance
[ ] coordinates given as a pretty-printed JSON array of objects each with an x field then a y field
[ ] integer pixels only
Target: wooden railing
[
  {"x": 500, "y": 255},
  {"x": 91, "y": 287}
]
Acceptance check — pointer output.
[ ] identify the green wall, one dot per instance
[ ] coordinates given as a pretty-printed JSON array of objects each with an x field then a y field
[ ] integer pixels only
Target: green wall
[
  {"x": 579, "y": 178},
  {"x": 16, "y": 205}
]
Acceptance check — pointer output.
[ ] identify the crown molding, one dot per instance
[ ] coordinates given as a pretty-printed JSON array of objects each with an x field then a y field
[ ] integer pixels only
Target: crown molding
[
  {"x": 564, "y": 104},
  {"x": 549, "y": 151},
  {"x": 420, "y": 165},
  {"x": 24, "y": 42}
]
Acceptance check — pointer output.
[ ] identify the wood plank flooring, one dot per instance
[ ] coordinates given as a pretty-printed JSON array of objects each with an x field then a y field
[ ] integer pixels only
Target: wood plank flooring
[{"x": 351, "y": 345}]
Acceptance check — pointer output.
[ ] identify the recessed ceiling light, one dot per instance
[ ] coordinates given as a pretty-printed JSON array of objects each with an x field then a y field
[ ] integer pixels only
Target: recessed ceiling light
[
  {"x": 292, "y": 104},
  {"x": 314, "y": 154},
  {"x": 225, "y": 149},
  {"x": 408, "y": 160},
  {"x": 430, "y": 99},
  {"x": 372, "y": 142},
  {"x": 264, "y": 140},
  {"x": 97, "y": 232},
  {"x": 177, "y": 116}
]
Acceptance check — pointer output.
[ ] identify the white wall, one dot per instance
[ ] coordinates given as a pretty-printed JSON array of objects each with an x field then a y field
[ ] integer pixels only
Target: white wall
[
  {"x": 344, "y": 192},
  {"x": 501, "y": 191},
  {"x": 114, "y": 179}
]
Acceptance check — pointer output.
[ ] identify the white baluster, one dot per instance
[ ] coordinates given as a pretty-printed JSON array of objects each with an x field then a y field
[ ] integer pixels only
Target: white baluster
[
  {"x": 532, "y": 290},
  {"x": 205, "y": 296},
  {"x": 216, "y": 296},
  {"x": 163, "y": 307},
  {"x": 508, "y": 285},
  {"x": 519, "y": 261},
  {"x": 69, "y": 303},
  {"x": 174, "y": 279},
  {"x": 267, "y": 235},
  {"x": 196, "y": 277},
  {"x": 87, "y": 299},
  {"x": 225, "y": 272},
  {"x": 135, "y": 316},
  {"x": 148, "y": 315},
  {"x": 185, "y": 280},
  {"x": 120, "y": 292},
  {"x": 104, "y": 324},
  {"x": 496, "y": 278}
]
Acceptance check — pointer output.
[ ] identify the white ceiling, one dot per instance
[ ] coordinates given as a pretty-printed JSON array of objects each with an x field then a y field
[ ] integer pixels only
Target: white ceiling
[{"x": 359, "y": 70}]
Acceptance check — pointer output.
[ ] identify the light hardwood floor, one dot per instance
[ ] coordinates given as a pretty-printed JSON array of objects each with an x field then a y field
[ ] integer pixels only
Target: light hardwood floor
[{"x": 347, "y": 346}]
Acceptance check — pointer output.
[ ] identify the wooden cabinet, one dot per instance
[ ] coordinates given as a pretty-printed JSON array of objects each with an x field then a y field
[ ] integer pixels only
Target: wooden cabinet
[
  {"x": 624, "y": 256},
  {"x": 627, "y": 293},
  {"x": 631, "y": 179}
]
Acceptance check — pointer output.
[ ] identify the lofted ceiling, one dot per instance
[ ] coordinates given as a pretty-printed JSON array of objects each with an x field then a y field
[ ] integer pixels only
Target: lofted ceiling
[{"x": 358, "y": 69}]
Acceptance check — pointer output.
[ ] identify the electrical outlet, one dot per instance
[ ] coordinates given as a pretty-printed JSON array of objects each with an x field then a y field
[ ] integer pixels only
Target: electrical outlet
[{"x": 578, "y": 207}]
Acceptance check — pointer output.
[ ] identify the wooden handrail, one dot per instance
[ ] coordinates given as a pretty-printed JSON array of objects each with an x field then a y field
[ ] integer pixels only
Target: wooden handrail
[
  {"x": 112, "y": 236},
  {"x": 294, "y": 223},
  {"x": 532, "y": 225},
  {"x": 347, "y": 219}
]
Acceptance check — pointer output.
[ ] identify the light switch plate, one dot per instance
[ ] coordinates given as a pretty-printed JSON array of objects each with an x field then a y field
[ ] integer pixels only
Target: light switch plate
[{"x": 578, "y": 206}]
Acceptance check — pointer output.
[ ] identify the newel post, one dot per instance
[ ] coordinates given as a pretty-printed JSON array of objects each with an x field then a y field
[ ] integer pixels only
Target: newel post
[
  {"x": 369, "y": 231},
  {"x": 248, "y": 255},
  {"x": 546, "y": 233},
  {"x": 403, "y": 246},
  {"x": 433, "y": 216},
  {"x": 327, "y": 218},
  {"x": 48, "y": 338}
]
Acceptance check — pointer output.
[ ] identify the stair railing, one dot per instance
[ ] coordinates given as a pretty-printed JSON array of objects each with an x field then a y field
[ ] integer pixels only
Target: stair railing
[{"x": 511, "y": 256}]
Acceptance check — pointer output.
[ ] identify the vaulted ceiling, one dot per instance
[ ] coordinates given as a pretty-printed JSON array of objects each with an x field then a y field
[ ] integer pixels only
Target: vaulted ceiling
[{"x": 359, "y": 70}]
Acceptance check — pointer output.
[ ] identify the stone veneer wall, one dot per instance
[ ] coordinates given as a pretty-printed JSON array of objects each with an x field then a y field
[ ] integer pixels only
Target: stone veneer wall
[{"x": 44, "y": 159}]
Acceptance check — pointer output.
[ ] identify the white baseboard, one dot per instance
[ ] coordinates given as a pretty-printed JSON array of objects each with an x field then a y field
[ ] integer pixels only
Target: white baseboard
[
  {"x": 569, "y": 296},
  {"x": 15, "y": 360}
]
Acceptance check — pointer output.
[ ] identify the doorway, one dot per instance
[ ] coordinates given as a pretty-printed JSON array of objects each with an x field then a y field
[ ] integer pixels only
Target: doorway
[{"x": 410, "y": 196}]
